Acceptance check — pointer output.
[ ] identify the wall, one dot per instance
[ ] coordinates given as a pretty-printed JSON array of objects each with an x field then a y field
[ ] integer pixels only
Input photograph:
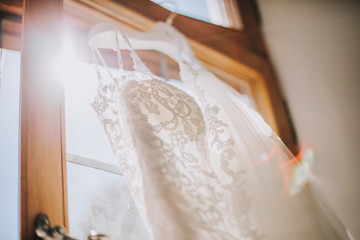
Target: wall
[{"x": 314, "y": 45}]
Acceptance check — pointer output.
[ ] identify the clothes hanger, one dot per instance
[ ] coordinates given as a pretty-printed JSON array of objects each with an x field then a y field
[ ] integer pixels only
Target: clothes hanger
[
  {"x": 162, "y": 38},
  {"x": 102, "y": 36}
]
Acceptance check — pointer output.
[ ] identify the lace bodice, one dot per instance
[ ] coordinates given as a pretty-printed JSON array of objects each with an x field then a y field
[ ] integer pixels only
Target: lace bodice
[{"x": 193, "y": 158}]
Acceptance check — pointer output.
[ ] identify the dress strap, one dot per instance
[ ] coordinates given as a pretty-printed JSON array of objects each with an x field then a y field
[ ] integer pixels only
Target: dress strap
[
  {"x": 97, "y": 55},
  {"x": 121, "y": 42},
  {"x": 118, "y": 53}
]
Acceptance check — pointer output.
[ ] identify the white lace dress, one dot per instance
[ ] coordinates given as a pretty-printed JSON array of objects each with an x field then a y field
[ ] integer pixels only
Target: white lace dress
[{"x": 201, "y": 163}]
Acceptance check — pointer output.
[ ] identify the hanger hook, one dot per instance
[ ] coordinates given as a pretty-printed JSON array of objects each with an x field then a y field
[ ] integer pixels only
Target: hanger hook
[{"x": 170, "y": 18}]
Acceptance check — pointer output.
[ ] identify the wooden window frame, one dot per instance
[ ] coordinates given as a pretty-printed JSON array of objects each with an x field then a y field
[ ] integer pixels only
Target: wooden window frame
[{"x": 230, "y": 54}]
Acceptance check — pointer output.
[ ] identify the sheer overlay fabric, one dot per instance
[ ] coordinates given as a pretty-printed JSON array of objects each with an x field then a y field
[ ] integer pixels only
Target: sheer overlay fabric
[{"x": 201, "y": 163}]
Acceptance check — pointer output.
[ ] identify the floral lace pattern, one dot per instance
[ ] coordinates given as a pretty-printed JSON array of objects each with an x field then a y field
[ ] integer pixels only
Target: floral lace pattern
[
  {"x": 221, "y": 146},
  {"x": 162, "y": 139},
  {"x": 187, "y": 161}
]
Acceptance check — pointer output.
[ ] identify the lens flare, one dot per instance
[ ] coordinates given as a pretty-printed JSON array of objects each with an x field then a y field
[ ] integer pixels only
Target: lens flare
[{"x": 297, "y": 171}]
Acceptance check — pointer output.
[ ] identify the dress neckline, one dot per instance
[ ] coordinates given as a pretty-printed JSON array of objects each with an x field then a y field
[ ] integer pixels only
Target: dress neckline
[{"x": 186, "y": 59}]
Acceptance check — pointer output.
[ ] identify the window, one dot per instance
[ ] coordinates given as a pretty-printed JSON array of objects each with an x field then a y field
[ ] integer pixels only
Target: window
[
  {"x": 220, "y": 12},
  {"x": 233, "y": 57},
  {"x": 98, "y": 197}
]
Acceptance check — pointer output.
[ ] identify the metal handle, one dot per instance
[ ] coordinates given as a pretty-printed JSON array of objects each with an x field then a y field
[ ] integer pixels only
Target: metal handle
[
  {"x": 96, "y": 236},
  {"x": 43, "y": 229}
]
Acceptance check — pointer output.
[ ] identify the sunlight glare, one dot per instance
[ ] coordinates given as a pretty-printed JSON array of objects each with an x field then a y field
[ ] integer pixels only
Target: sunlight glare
[{"x": 68, "y": 63}]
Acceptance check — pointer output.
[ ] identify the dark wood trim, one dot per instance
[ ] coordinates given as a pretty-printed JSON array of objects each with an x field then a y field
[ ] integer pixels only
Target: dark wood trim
[
  {"x": 43, "y": 175},
  {"x": 11, "y": 6}
]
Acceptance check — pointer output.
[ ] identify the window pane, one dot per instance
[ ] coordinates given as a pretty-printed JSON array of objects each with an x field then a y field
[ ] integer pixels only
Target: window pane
[
  {"x": 9, "y": 144},
  {"x": 98, "y": 199},
  {"x": 220, "y": 12},
  {"x": 196, "y": 9}
]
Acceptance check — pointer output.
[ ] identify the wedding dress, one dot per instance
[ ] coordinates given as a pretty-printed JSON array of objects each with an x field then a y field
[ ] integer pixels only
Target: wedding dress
[{"x": 200, "y": 162}]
